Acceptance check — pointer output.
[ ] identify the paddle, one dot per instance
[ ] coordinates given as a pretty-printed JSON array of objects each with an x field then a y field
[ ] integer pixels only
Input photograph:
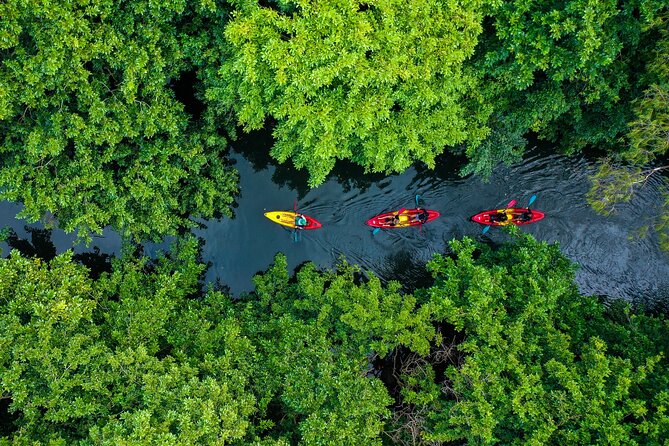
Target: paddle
[
  {"x": 487, "y": 228},
  {"x": 397, "y": 213},
  {"x": 295, "y": 231},
  {"x": 420, "y": 227},
  {"x": 532, "y": 198}
]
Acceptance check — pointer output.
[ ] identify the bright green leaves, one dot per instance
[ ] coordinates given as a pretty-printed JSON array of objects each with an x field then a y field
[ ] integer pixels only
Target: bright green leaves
[
  {"x": 92, "y": 131},
  {"x": 617, "y": 180},
  {"x": 49, "y": 346},
  {"x": 89, "y": 361},
  {"x": 537, "y": 368},
  {"x": 501, "y": 349},
  {"x": 316, "y": 351},
  {"x": 135, "y": 358},
  {"x": 566, "y": 71},
  {"x": 364, "y": 316},
  {"x": 380, "y": 82},
  {"x": 318, "y": 334}
]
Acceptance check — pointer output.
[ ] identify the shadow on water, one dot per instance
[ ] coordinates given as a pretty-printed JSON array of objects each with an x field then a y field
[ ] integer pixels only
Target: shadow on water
[
  {"x": 40, "y": 244},
  {"x": 185, "y": 92},
  {"x": 254, "y": 146},
  {"x": 42, "y": 247},
  {"x": 97, "y": 262},
  {"x": 406, "y": 269},
  {"x": 7, "y": 418}
]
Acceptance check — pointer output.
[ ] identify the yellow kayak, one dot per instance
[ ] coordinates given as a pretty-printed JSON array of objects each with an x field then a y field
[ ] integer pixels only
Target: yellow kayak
[{"x": 287, "y": 218}]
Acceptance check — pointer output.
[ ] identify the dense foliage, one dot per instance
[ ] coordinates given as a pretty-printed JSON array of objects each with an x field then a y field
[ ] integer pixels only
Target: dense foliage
[
  {"x": 90, "y": 129},
  {"x": 386, "y": 83},
  {"x": 540, "y": 363},
  {"x": 378, "y": 82},
  {"x": 136, "y": 357},
  {"x": 114, "y": 114},
  {"x": 98, "y": 128},
  {"x": 620, "y": 176},
  {"x": 501, "y": 349},
  {"x": 88, "y": 360}
]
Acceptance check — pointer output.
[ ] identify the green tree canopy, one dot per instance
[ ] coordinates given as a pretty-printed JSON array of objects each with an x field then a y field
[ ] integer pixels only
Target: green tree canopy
[
  {"x": 565, "y": 70},
  {"x": 620, "y": 176},
  {"x": 143, "y": 356},
  {"x": 90, "y": 129},
  {"x": 378, "y": 82},
  {"x": 105, "y": 361},
  {"x": 500, "y": 349},
  {"x": 539, "y": 363}
]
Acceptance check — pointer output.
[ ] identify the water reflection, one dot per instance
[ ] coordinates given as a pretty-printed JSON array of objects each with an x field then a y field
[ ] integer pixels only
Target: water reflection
[{"x": 253, "y": 147}]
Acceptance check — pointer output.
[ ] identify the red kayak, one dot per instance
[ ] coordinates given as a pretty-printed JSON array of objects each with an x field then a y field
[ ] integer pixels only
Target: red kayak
[
  {"x": 503, "y": 217},
  {"x": 408, "y": 217}
]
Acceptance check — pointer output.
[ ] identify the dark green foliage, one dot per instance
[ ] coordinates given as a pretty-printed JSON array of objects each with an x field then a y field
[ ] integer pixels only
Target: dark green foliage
[
  {"x": 564, "y": 70},
  {"x": 540, "y": 363},
  {"x": 90, "y": 129},
  {"x": 618, "y": 178},
  {"x": 379, "y": 82},
  {"x": 143, "y": 356}
]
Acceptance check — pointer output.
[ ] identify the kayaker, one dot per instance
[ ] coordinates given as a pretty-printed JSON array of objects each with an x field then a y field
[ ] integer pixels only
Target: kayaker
[
  {"x": 300, "y": 221},
  {"x": 526, "y": 216},
  {"x": 394, "y": 220},
  {"x": 499, "y": 217},
  {"x": 422, "y": 216}
]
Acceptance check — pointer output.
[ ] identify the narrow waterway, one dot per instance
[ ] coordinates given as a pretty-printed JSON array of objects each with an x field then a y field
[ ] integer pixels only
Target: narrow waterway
[{"x": 616, "y": 257}]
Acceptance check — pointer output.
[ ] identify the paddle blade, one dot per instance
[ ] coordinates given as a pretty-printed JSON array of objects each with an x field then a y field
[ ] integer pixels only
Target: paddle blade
[
  {"x": 375, "y": 231},
  {"x": 295, "y": 205},
  {"x": 511, "y": 203},
  {"x": 417, "y": 198},
  {"x": 486, "y": 229},
  {"x": 532, "y": 198}
]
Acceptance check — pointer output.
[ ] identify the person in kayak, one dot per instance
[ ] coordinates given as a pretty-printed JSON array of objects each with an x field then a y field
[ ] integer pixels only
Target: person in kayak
[
  {"x": 300, "y": 221},
  {"x": 499, "y": 217},
  {"x": 422, "y": 216},
  {"x": 526, "y": 216},
  {"x": 392, "y": 220}
]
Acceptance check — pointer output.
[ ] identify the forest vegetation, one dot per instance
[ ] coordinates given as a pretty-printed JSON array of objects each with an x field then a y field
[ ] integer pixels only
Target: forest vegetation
[
  {"x": 120, "y": 113},
  {"x": 500, "y": 349}
]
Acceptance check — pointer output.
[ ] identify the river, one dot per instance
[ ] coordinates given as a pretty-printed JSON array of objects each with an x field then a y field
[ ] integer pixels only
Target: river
[{"x": 616, "y": 258}]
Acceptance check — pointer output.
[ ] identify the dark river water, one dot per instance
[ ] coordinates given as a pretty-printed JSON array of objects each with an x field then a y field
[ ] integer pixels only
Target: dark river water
[{"x": 616, "y": 259}]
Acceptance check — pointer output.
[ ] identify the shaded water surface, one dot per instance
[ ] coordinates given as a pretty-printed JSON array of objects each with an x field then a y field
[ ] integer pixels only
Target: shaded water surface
[{"x": 615, "y": 257}]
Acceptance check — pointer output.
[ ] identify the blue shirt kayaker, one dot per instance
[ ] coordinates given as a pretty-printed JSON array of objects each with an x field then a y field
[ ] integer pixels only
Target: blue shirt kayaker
[{"x": 300, "y": 221}]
